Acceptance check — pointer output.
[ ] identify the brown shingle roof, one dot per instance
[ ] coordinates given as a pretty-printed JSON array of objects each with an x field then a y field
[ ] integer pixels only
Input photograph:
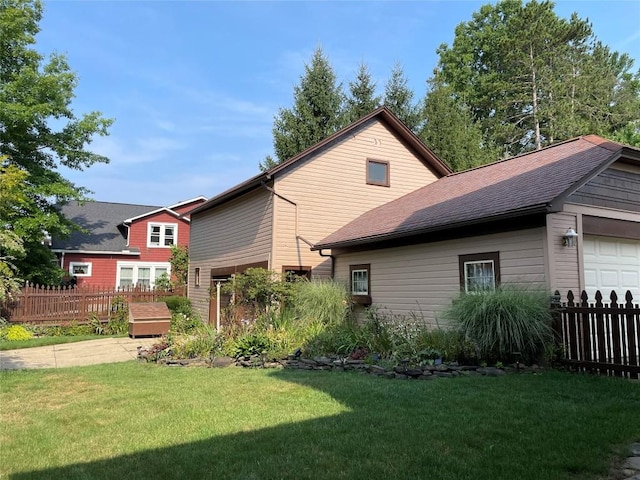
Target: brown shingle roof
[{"x": 527, "y": 183}]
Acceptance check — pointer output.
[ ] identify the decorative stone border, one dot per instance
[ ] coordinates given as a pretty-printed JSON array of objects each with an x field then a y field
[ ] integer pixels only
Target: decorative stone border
[{"x": 402, "y": 371}]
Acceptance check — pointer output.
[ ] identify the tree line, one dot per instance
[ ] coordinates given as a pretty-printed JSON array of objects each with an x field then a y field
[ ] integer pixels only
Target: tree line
[{"x": 516, "y": 78}]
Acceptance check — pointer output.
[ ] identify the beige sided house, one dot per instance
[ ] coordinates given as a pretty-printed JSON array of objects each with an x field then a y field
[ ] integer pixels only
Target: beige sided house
[
  {"x": 510, "y": 221},
  {"x": 273, "y": 219}
]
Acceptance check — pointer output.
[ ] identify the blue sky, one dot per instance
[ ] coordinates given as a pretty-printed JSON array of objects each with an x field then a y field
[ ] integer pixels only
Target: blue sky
[{"x": 194, "y": 86}]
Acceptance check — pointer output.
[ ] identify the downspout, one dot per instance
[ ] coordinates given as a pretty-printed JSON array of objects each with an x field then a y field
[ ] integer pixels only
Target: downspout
[
  {"x": 298, "y": 236},
  {"x": 333, "y": 262}
]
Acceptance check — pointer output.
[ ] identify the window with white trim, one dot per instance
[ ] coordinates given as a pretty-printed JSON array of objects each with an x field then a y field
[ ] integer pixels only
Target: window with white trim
[
  {"x": 360, "y": 276},
  {"x": 80, "y": 269},
  {"x": 162, "y": 234},
  {"x": 142, "y": 274},
  {"x": 479, "y": 272},
  {"x": 359, "y": 279}
]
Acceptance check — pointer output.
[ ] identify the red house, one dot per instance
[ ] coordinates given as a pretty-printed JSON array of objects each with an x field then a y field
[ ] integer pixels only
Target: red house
[{"x": 122, "y": 244}]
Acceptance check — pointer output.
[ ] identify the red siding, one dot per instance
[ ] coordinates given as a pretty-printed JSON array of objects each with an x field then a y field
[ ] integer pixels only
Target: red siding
[
  {"x": 103, "y": 267},
  {"x": 182, "y": 209}
]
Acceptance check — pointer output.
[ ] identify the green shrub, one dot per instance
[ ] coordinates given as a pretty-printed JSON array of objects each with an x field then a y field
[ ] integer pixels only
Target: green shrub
[
  {"x": 179, "y": 304},
  {"x": 258, "y": 289},
  {"x": 199, "y": 344},
  {"x": 16, "y": 332},
  {"x": 504, "y": 321},
  {"x": 183, "y": 323}
]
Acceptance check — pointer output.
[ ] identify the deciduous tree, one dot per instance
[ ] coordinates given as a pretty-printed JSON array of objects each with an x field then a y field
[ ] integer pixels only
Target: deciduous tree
[
  {"x": 531, "y": 78},
  {"x": 39, "y": 132}
]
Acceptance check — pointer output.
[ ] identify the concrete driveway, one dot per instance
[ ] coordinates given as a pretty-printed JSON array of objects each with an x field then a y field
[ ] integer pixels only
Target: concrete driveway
[{"x": 91, "y": 352}]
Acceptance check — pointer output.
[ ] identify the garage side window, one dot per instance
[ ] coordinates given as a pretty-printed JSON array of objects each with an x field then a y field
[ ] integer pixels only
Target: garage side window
[
  {"x": 360, "y": 276},
  {"x": 479, "y": 272}
]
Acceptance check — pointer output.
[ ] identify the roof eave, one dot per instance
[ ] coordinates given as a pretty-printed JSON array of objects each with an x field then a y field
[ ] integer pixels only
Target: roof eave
[{"x": 535, "y": 209}]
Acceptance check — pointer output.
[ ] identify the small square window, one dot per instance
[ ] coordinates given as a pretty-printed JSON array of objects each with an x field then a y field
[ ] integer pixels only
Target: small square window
[
  {"x": 378, "y": 173},
  {"x": 479, "y": 272}
]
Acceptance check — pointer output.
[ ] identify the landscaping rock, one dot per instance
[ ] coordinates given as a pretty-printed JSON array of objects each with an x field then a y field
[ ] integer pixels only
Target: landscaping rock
[
  {"x": 413, "y": 372},
  {"x": 400, "y": 376},
  {"x": 323, "y": 360},
  {"x": 442, "y": 368},
  {"x": 354, "y": 362},
  {"x": 377, "y": 369},
  {"x": 635, "y": 449},
  {"x": 307, "y": 361},
  {"x": 491, "y": 371},
  {"x": 222, "y": 362},
  {"x": 443, "y": 374},
  {"x": 633, "y": 463}
]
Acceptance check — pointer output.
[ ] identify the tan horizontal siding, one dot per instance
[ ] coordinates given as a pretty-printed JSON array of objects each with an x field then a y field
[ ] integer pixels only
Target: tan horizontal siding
[
  {"x": 423, "y": 279},
  {"x": 564, "y": 261},
  {"x": 239, "y": 232},
  {"x": 331, "y": 190}
]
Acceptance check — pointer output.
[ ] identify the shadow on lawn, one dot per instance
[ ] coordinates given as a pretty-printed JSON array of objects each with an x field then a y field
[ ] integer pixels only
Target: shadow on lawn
[
  {"x": 359, "y": 443},
  {"x": 434, "y": 429}
]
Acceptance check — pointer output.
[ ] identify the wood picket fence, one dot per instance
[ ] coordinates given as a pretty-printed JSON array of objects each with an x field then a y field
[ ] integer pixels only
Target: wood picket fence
[
  {"x": 600, "y": 337},
  {"x": 53, "y": 305}
]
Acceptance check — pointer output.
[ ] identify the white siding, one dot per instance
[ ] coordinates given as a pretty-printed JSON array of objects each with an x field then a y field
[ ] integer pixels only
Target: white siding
[
  {"x": 424, "y": 278},
  {"x": 238, "y": 232},
  {"x": 330, "y": 190}
]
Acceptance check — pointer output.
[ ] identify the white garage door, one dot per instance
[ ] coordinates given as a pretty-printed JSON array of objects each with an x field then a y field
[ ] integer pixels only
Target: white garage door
[{"x": 611, "y": 264}]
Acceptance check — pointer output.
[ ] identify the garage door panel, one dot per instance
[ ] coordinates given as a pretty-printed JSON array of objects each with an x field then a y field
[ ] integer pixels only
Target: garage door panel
[
  {"x": 611, "y": 264},
  {"x": 630, "y": 280}
]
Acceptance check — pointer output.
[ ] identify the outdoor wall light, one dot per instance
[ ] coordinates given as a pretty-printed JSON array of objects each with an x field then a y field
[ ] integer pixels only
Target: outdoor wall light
[{"x": 570, "y": 238}]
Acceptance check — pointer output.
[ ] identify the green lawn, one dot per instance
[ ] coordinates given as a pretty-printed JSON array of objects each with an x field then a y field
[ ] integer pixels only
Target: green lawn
[
  {"x": 45, "y": 341},
  {"x": 133, "y": 421}
]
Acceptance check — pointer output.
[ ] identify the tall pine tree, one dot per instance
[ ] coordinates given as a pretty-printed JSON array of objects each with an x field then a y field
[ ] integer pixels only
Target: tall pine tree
[
  {"x": 398, "y": 97},
  {"x": 450, "y": 131},
  {"x": 317, "y": 112},
  {"x": 362, "y": 98}
]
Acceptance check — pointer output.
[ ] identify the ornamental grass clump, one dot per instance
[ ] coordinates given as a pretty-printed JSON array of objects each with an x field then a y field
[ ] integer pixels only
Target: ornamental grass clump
[
  {"x": 504, "y": 321},
  {"x": 325, "y": 301}
]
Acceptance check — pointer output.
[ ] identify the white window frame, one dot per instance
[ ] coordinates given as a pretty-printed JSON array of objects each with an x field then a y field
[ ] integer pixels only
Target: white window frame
[
  {"x": 482, "y": 258},
  {"x": 135, "y": 265},
  {"x": 353, "y": 281},
  {"x": 162, "y": 226},
  {"x": 78, "y": 264},
  {"x": 479, "y": 262}
]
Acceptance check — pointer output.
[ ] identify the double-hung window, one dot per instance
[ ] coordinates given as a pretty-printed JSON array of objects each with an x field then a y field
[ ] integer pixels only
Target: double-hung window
[
  {"x": 361, "y": 283},
  {"x": 479, "y": 272},
  {"x": 162, "y": 234}
]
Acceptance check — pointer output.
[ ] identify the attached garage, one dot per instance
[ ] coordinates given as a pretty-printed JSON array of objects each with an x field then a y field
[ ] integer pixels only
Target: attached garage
[{"x": 611, "y": 264}]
